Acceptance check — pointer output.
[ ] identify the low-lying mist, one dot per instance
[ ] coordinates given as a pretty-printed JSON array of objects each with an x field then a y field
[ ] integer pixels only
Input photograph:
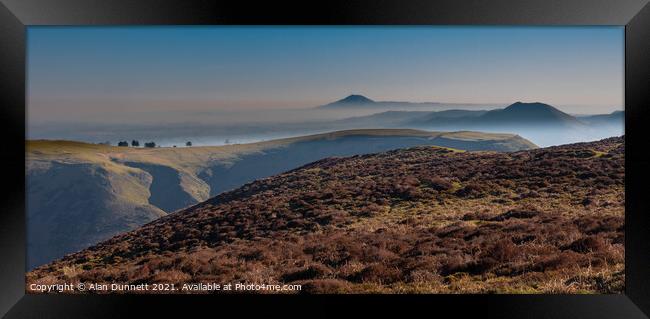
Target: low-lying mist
[{"x": 247, "y": 126}]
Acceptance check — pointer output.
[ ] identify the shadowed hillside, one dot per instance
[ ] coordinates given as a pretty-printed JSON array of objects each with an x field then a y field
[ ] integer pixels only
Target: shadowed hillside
[
  {"x": 79, "y": 194},
  {"x": 423, "y": 219}
]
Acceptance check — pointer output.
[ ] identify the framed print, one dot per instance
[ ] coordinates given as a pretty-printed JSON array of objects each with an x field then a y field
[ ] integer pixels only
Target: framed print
[{"x": 457, "y": 155}]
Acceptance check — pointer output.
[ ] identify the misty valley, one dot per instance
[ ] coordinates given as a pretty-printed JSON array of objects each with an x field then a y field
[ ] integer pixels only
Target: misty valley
[{"x": 542, "y": 124}]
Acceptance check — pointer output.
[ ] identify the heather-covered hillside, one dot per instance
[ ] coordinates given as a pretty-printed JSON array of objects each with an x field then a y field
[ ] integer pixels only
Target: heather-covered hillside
[{"x": 423, "y": 219}]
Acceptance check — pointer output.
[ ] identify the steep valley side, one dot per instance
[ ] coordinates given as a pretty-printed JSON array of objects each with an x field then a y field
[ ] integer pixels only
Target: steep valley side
[{"x": 74, "y": 205}]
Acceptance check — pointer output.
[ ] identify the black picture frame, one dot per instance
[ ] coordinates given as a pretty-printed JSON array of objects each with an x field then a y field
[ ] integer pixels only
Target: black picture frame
[{"x": 16, "y": 15}]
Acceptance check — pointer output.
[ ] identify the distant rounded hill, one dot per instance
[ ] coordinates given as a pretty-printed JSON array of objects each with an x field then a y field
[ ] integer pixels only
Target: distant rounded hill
[
  {"x": 520, "y": 112},
  {"x": 357, "y": 101},
  {"x": 542, "y": 123},
  {"x": 353, "y": 99}
]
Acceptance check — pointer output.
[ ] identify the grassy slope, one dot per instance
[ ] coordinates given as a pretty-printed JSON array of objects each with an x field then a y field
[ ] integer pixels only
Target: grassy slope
[
  {"x": 189, "y": 161},
  {"x": 424, "y": 219}
]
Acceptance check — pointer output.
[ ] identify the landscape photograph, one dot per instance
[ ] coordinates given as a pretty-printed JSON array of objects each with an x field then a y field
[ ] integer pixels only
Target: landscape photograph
[{"x": 325, "y": 160}]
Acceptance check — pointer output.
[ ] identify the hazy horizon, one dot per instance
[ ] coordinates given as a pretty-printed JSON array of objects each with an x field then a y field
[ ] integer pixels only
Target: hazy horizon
[
  {"x": 122, "y": 73},
  {"x": 251, "y": 83}
]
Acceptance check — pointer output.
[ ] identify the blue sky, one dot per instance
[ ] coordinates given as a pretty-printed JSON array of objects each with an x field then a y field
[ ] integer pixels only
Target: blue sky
[{"x": 80, "y": 70}]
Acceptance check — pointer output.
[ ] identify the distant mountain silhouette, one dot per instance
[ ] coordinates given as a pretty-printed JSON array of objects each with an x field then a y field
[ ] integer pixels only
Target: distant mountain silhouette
[
  {"x": 542, "y": 123},
  {"x": 516, "y": 114},
  {"x": 353, "y": 100},
  {"x": 516, "y": 117},
  {"x": 528, "y": 113},
  {"x": 513, "y": 118},
  {"x": 359, "y": 101}
]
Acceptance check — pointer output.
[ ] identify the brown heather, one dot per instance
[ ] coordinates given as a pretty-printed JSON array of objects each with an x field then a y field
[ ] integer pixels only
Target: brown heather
[{"x": 419, "y": 220}]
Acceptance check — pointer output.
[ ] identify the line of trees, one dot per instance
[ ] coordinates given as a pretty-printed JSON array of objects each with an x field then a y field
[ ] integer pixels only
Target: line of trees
[{"x": 136, "y": 143}]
